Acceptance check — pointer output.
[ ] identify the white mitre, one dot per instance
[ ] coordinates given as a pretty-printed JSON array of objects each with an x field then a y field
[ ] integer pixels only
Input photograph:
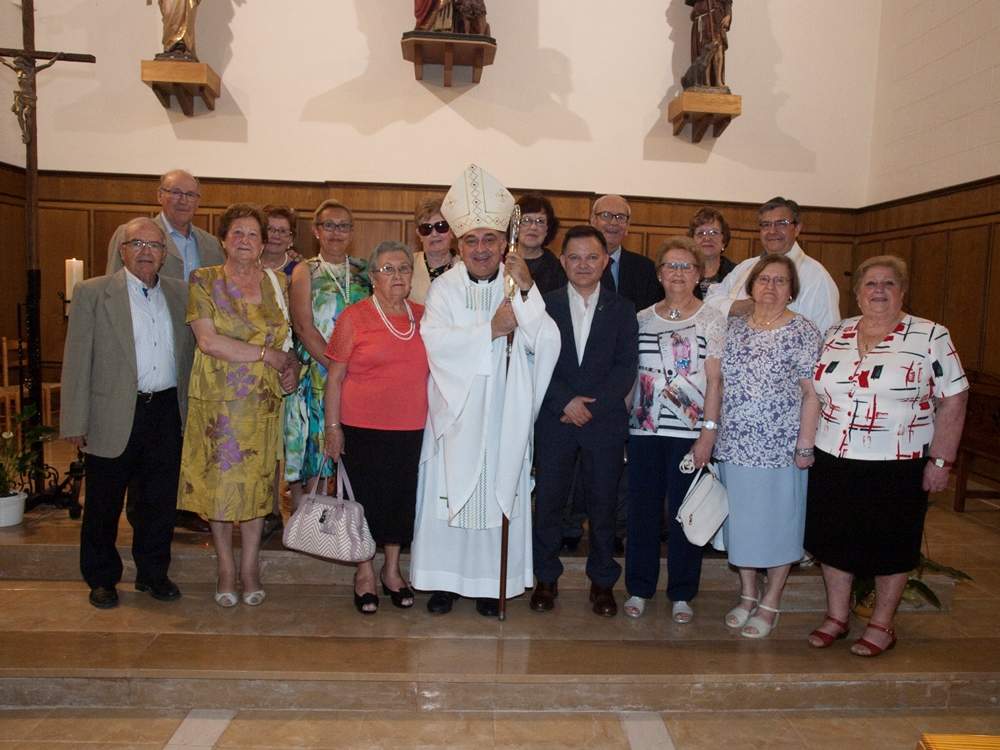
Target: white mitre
[{"x": 477, "y": 200}]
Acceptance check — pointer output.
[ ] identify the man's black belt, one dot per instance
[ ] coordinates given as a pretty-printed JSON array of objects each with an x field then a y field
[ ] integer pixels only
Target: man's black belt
[{"x": 149, "y": 396}]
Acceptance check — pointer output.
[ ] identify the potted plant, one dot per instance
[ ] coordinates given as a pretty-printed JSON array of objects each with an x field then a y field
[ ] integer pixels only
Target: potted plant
[
  {"x": 17, "y": 457},
  {"x": 916, "y": 591}
]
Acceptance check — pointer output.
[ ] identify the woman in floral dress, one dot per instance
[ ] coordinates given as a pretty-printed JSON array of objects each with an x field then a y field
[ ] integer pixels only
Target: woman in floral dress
[
  {"x": 321, "y": 288},
  {"x": 239, "y": 376}
]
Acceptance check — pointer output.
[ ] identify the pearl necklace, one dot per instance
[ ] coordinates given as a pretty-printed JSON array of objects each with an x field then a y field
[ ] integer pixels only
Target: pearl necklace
[
  {"x": 284, "y": 262},
  {"x": 331, "y": 270},
  {"x": 404, "y": 335}
]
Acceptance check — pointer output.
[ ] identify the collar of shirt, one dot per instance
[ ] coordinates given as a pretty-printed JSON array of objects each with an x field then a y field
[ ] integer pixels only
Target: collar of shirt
[
  {"x": 795, "y": 254},
  {"x": 490, "y": 280},
  {"x": 176, "y": 232},
  {"x": 584, "y": 302},
  {"x": 139, "y": 285},
  {"x": 616, "y": 254}
]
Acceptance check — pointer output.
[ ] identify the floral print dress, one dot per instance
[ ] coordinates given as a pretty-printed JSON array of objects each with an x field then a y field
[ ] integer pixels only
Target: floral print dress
[
  {"x": 304, "y": 418},
  {"x": 233, "y": 432}
]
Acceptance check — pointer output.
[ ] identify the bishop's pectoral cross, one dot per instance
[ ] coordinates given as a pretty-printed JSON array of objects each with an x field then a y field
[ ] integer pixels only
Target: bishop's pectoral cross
[{"x": 24, "y": 63}]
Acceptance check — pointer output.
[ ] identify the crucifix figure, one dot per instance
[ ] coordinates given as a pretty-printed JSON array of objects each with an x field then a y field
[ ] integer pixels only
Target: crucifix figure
[{"x": 24, "y": 63}]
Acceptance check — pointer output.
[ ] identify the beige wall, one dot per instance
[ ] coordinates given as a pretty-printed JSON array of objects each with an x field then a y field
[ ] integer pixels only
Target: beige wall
[
  {"x": 937, "y": 116},
  {"x": 574, "y": 102}
]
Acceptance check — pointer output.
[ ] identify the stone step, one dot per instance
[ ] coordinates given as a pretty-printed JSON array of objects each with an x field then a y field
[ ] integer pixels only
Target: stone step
[{"x": 306, "y": 648}]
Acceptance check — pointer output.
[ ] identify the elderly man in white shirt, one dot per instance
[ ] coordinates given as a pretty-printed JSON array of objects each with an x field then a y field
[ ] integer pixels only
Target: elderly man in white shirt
[
  {"x": 124, "y": 384},
  {"x": 780, "y": 226}
]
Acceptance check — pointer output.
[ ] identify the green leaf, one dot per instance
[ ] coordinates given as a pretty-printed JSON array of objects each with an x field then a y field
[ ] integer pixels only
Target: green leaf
[{"x": 924, "y": 590}]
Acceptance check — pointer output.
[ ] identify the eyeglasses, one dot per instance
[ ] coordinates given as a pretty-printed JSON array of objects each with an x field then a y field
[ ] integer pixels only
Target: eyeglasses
[
  {"x": 677, "y": 265},
  {"x": 765, "y": 280},
  {"x": 540, "y": 221},
  {"x": 138, "y": 245},
  {"x": 440, "y": 227},
  {"x": 887, "y": 284},
  {"x": 178, "y": 194},
  {"x": 709, "y": 232},
  {"x": 335, "y": 226},
  {"x": 489, "y": 241},
  {"x": 390, "y": 270},
  {"x": 779, "y": 224},
  {"x": 279, "y": 231},
  {"x": 612, "y": 218}
]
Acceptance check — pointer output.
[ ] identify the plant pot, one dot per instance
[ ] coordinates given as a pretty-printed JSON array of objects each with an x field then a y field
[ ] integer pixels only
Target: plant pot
[{"x": 12, "y": 509}]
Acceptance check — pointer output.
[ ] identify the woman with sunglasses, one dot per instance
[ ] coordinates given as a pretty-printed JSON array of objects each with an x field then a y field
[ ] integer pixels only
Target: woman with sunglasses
[
  {"x": 676, "y": 404},
  {"x": 437, "y": 241},
  {"x": 322, "y": 287}
]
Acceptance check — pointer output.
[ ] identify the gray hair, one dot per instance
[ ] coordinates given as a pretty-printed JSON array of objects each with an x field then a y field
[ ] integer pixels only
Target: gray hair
[
  {"x": 143, "y": 221},
  {"x": 893, "y": 262},
  {"x": 779, "y": 202},
  {"x": 388, "y": 246}
]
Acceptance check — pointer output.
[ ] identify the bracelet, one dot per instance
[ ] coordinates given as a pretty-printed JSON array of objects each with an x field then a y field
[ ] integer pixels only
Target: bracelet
[
  {"x": 332, "y": 425},
  {"x": 263, "y": 351},
  {"x": 804, "y": 452}
]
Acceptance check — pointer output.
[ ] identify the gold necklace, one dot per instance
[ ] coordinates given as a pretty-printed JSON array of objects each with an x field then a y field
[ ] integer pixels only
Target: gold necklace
[{"x": 769, "y": 323}]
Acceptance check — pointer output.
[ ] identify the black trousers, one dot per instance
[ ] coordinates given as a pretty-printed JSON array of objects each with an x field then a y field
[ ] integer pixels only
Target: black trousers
[
  {"x": 597, "y": 471},
  {"x": 151, "y": 464}
]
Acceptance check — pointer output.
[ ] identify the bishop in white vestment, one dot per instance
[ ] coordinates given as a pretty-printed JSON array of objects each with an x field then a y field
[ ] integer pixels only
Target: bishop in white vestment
[{"x": 477, "y": 454}]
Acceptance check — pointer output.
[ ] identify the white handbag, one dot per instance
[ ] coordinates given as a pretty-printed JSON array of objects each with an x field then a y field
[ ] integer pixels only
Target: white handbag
[
  {"x": 331, "y": 527},
  {"x": 705, "y": 506}
]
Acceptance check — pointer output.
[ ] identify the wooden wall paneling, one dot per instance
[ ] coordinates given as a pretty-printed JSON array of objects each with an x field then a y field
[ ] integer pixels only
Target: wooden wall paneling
[
  {"x": 901, "y": 247},
  {"x": 13, "y": 280},
  {"x": 965, "y": 295},
  {"x": 12, "y": 183},
  {"x": 928, "y": 273},
  {"x": 990, "y": 358},
  {"x": 837, "y": 257},
  {"x": 368, "y": 232},
  {"x": 62, "y": 233},
  {"x": 739, "y": 248}
]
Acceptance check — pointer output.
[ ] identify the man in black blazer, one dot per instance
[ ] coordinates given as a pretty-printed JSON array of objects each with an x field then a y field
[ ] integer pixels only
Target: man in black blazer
[
  {"x": 584, "y": 418},
  {"x": 630, "y": 274}
]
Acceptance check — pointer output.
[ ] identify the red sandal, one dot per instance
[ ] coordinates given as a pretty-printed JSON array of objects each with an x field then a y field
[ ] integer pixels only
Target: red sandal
[
  {"x": 827, "y": 638},
  {"x": 874, "y": 650}
]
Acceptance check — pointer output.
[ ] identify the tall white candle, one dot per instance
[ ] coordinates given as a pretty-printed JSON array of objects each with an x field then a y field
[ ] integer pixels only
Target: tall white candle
[{"x": 74, "y": 275}]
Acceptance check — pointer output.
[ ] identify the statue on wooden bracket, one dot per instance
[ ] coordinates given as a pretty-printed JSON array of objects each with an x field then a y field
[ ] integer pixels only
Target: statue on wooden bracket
[
  {"x": 452, "y": 16},
  {"x": 710, "y": 23},
  {"x": 178, "y": 29}
]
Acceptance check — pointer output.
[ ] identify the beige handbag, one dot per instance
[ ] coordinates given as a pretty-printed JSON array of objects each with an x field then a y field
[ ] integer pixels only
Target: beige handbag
[
  {"x": 331, "y": 527},
  {"x": 705, "y": 506}
]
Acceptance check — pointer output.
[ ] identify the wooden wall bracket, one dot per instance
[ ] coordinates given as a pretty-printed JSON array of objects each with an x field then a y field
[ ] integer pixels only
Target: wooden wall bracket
[
  {"x": 703, "y": 109},
  {"x": 449, "y": 50},
  {"x": 182, "y": 79}
]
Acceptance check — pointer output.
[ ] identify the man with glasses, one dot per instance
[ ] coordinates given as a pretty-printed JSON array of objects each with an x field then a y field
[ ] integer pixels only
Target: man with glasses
[
  {"x": 188, "y": 247},
  {"x": 124, "y": 384},
  {"x": 630, "y": 274},
  {"x": 484, "y": 395},
  {"x": 780, "y": 226}
]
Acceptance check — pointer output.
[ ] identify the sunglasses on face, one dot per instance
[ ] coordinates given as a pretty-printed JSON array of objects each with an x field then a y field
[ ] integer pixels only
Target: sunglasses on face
[{"x": 438, "y": 226}]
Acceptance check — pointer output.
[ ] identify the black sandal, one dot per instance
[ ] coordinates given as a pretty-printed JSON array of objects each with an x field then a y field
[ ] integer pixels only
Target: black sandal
[
  {"x": 397, "y": 597},
  {"x": 363, "y": 600}
]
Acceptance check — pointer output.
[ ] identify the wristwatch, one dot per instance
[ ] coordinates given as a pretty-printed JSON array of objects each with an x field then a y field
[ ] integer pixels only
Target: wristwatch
[
  {"x": 710, "y": 425},
  {"x": 941, "y": 463}
]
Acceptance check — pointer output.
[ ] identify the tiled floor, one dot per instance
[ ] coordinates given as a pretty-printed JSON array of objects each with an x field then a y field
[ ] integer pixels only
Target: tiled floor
[{"x": 59, "y": 729}]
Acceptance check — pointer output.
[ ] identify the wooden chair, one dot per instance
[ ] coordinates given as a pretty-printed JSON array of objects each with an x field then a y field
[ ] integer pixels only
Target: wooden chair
[
  {"x": 980, "y": 439},
  {"x": 15, "y": 355},
  {"x": 10, "y": 395}
]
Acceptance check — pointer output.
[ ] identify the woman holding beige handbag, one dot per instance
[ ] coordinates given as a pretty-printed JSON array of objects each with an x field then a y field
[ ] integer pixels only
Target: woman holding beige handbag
[{"x": 376, "y": 408}]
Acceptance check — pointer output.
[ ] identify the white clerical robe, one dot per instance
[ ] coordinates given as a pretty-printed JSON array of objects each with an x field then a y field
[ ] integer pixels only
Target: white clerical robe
[{"x": 475, "y": 464}]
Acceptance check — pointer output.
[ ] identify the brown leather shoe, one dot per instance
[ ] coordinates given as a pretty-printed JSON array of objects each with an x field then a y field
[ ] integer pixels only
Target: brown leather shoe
[
  {"x": 604, "y": 601},
  {"x": 544, "y": 597}
]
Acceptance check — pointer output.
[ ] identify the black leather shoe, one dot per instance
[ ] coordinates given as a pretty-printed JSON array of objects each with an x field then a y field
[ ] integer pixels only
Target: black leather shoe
[
  {"x": 165, "y": 590},
  {"x": 272, "y": 523},
  {"x": 544, "y": 597},
  {"x": 103, "y": 597},
  {"x": 604, "y": 601},
  {"x": 570, "y": 543},
  {"x": 488, "y": 607},
  {"x": 191, "y": 521},
  {"x": 441, "y": 602}
]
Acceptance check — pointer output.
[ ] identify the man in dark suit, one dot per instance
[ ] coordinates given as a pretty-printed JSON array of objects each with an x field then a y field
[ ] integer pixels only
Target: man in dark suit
[
  {"x": 188, "y": 248},
  {"x": 124, "y": 383},
  {"x": 630, "y": 274},
  {"x": 583, "y": 418}
]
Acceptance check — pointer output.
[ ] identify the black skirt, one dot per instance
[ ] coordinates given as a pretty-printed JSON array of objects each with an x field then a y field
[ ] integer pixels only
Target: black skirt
[
  {"x": 866, "y": 517},
  {"x": 382, "y": 466}
]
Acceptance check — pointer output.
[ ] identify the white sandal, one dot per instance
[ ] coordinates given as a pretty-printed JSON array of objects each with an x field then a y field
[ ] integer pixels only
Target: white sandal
[
  {"x": 682, "y": 613},
  {"x": 254, "y": 598},
  {"x": 226, "y": 599},
  {"x": 763, "y": 628},
  {"x": 634, "y": 606},
  {"x": 737, "y": 617}
]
